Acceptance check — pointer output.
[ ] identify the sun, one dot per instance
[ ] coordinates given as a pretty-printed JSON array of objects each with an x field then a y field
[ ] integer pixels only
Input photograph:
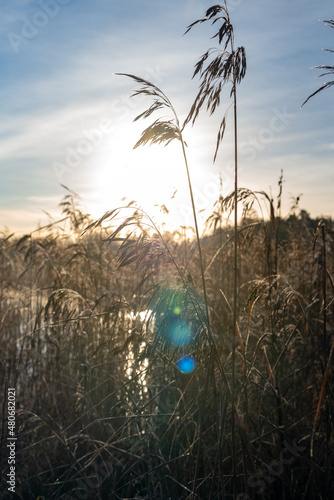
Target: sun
[{"x": 152, "y": 177}]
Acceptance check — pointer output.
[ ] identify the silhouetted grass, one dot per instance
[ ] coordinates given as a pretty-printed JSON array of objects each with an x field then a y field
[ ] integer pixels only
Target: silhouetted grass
[{"x": 102, "y": 409}]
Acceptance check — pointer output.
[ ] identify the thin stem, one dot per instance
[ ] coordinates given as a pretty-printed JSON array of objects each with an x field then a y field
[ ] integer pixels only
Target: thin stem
[
  {"x": 324, "y": 271},
  {"x": 211, "y": 339},
  {"x": 197, "y": 235},
  {"x": 235, "y": 275},
  {"x": 195, "y": 221}
]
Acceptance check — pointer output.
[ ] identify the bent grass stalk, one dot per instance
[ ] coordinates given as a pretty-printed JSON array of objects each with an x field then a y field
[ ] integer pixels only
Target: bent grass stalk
[{"x": 162, "y": 131}]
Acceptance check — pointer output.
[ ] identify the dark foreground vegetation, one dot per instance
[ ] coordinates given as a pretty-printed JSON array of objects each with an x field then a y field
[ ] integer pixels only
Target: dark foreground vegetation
[{"x": 102, "y": 409}]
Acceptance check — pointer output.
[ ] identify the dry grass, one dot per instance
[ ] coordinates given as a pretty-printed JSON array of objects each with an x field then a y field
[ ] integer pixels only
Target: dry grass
[{"x": 104, "y": 412}]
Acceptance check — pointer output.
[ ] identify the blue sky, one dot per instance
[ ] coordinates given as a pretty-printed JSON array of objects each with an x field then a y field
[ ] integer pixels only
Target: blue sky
[{"x": 67, "y": 119}]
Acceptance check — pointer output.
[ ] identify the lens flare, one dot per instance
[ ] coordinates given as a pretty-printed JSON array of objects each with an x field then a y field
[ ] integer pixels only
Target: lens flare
[
  {"x": 176, "y": 316},
  {"x": 186, "y": 364},
  {"x": 180, "y": 333}
]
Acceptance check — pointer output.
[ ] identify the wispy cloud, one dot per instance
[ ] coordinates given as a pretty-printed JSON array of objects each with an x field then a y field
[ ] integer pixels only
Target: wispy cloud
[{"x": 60, "y": 87}]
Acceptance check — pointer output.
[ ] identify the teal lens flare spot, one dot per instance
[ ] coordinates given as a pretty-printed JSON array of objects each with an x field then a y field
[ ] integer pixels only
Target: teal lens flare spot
[
  {"x": 180, "y": 333},
  {"x": 186, "y": 364}
]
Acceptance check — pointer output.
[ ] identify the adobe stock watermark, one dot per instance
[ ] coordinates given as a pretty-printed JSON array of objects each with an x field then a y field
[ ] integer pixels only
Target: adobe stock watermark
[
  {"x": 248, "y": 152},
  {"x": 30, "y": 27},
  {"x": 11, "y": 441},
  {"x": 74, "y": 156},
  {"x": 278, "y": 122},
  {"x": 209, "y": 192},
  {"x": 92, "y": 138},
  {"x": 266, "y": 476}
]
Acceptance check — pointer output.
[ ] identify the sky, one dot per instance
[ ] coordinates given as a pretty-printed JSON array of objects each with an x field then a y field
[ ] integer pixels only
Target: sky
[{"x": 67, "y": 118}]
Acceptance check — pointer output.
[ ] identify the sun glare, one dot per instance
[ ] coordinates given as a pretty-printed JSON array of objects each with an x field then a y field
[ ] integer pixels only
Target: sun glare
[{"x": 154, "y": 179}]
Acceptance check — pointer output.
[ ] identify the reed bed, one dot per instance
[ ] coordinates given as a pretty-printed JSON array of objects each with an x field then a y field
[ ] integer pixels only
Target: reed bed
[{"x": 103, "y": 410}]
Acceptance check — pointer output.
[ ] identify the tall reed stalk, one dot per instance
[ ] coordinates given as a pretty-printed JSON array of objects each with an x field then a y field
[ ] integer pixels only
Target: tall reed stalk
[{"x": 229, "y": 67}]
